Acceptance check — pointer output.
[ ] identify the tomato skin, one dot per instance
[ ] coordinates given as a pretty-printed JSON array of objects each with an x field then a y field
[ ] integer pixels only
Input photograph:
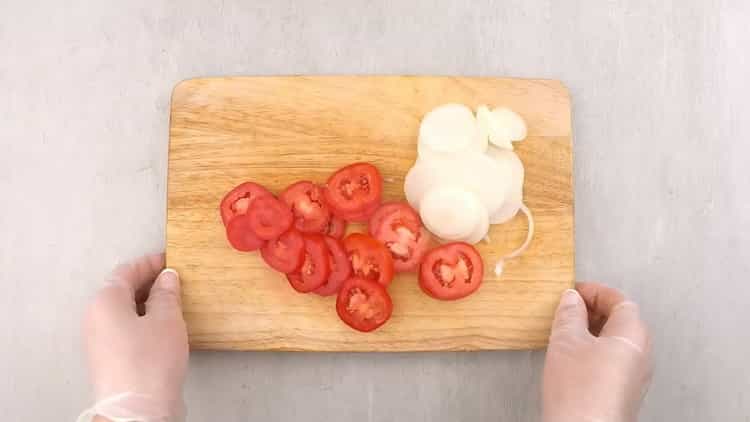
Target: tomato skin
[
  {"x": 238, "y": 200},
  {"x": 285, "y": 253},
  {"x": 335, "y": 228},
  {"x": 295, "y": 280},
  {"x": 269, "y": 217},
  {"x": 398, "y": 226},
  {"x": 361, "y": 216},
  {"x": 241, "y": 236},
  {"x": 340, "y": 266},
  {"x": 306, "y": 199},
  {"x": 363, "y": 304},
  {"x": 353, "y": 192},
  {"x": 370, "y": 259},
  {"x": 458, "y": 260},
  {"x": 315, "y": 267}
]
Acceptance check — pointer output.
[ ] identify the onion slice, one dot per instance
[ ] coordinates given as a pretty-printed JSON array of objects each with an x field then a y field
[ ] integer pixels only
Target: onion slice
[
  {"x": 513, "y": 200},
  {"x": 521, "y": 249},
  {"x": 483, "y": 127},
  {"x": 486, "y": 177},
  {"x": 447, "y": 130},
  {"x": 453, "y": 213},
  {"x": 506, "y": 126},
  {"x": 480, "y": 230}
]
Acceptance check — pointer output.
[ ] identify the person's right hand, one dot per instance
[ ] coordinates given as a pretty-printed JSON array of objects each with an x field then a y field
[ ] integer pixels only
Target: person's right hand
[
  {"x": 598, "y": 364},
  {"x": 137, "y": 345}
]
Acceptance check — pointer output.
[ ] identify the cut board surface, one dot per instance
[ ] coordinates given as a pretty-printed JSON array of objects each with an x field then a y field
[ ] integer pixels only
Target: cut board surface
[{"x": 277, "y": 130}]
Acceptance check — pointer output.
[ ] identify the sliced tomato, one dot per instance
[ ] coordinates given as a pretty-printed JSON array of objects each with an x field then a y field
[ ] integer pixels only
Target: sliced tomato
[
  {"x": 238, "y": 200},
  {"x": 451, "y": 271},
  {"x": 362, "y": 216},
  {"x": 354, "y": 191},
  {"x": 370, "y": 259},
  {"x": 295, "y": 280},
  {"x": 341, "y": 268},
  {"x": 311, "y": 214},
  {"x": 400, "y": 229},
  {"x": 383, "y": 211},
  {"x": 316, "y": 266},
  {"x": 269, "y": 217},
  {"x": 336, "y": 227},
  {"x": 285, "y": 253},
  {"x": 363, "y": 304},
  {"x": 241, "y": 236}
]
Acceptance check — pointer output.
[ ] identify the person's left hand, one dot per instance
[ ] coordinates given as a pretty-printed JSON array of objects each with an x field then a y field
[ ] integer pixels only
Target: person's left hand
[{"x": 136, "y": 342}]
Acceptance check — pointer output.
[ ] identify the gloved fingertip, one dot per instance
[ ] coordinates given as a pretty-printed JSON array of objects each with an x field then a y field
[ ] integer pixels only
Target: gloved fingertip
[
  {"x": 570, "y": 298},
  {"x": 168, "y": 279},
  {"x": 570, "y": 315}
]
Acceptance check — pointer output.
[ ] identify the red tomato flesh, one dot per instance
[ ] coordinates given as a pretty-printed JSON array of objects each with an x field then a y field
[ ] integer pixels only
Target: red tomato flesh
[
  {"x": 353, "y": 192},
  {"x": 311, "y": 214},
  {"x": 285, "y": 253},
  {"x": 238, "y": 200},
  {"x": 451, "y": 271},
  {"x": 241, "y": 236},
  {"x": 400, "y": 229},
  {"x": 363, "y": 304},
  {"x": 384, "y": 211},
  {"x": 336, "y": 227},
  {"x": 369, "y": 258},
  {"x": 269, "y": 217},
  {"x": 340, "y": 266},
  {"x": 315, "y": 267},
  {"x": 361, "y": 216}
]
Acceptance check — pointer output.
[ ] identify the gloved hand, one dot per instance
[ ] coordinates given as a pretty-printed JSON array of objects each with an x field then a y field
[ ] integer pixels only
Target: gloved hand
[
  {"x": 137, "y": 347},
  {"x": 598, "y": 364}
]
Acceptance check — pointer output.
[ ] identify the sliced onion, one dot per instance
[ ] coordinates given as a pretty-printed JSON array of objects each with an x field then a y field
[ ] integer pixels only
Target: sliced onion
[
  {"x": 481, "y": 229},
  {"x": 506, "y": 126},
  {"x": 418, "y": 181},
  {"x": 513, "y": 201},
  {"x": 521, "y": 249},
  {"x": 447, "y": 130},
  {"x": 486, "y": 177},
  {"x": 452, "y": 213},
  {"x": 483, "y": 127}
]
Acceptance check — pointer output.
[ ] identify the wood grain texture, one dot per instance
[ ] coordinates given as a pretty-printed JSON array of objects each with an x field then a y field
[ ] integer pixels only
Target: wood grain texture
[{"x": 275, "y": 130}]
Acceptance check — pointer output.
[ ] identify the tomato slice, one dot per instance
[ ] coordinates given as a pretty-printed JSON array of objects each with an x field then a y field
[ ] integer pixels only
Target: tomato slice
[
  {"x": 285, "y": 253},
  {"x": 336, "y": 227},
  {"x": 370, "y": 259},
  {"x": 383, "y": 211},
  {"x": 315, "y": 266},
  {"x": 400, "y": 229},
  {"x": 310, "y": 211},
  {"x": 241, "y": 236},
  {"x": 354, "y": 191},
  {"x": 361, "y": 216},
  {"x": 363, "y": 304},
  {"x": 451, "y": 271},
  {"x": 269, "y": 217},
  {"x": 341, "y": 268},
  {"x": 238, "y": 200}
]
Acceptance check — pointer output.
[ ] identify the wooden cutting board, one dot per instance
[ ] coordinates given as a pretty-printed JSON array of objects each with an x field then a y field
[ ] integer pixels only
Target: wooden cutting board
[{"x": 276, "y": 130}]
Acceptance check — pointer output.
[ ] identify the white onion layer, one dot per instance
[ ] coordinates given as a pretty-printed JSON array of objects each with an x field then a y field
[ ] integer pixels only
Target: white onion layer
[
  {"x": 505, "y": 127},
  {"x": 452, "y": 213},
  {"x": 447, "y": 130},
  {"x": 521, "y": 249},
  {"x": 513, "y": 201}
]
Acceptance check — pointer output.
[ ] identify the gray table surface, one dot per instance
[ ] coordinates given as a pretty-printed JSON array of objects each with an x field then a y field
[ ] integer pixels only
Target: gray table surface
[{"x": 662, "y": 145}]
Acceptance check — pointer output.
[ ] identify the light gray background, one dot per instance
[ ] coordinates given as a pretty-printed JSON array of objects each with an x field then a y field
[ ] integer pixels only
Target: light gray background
[{"x": 660, "y": 93}]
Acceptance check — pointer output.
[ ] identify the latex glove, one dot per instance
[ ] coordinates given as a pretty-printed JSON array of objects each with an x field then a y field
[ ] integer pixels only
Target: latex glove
[
  {"x": 137, "y": 360},
  {"x": 598, "y": 364}
]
